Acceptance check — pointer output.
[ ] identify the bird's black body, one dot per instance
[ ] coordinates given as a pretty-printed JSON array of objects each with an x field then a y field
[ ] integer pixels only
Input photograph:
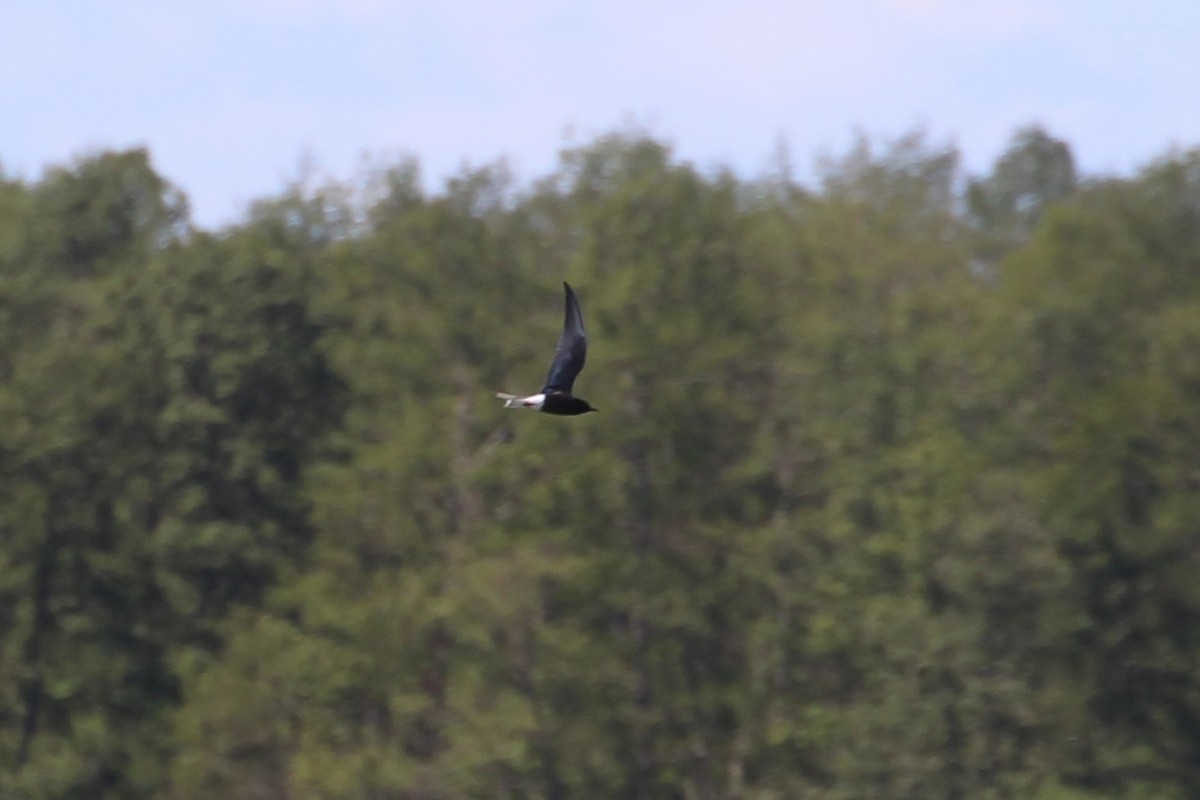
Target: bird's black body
[
  {"x": 569, "y": 357},
  {"x": 565, "y": 405}
]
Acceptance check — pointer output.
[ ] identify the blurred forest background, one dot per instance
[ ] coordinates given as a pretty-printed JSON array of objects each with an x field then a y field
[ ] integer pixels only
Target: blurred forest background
[{"x": 894, "y": 492}]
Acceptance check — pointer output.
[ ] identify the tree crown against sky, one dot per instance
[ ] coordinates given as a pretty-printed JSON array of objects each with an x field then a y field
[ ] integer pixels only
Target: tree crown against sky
[{"x": 892, "y": 494}]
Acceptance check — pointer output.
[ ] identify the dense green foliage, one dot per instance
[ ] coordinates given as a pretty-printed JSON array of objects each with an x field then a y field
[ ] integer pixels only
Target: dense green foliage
[{"x": 894, "y": 492}]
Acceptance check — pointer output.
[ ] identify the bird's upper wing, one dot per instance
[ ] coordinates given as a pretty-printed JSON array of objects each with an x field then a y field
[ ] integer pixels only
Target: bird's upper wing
[{"x": 572, "y": 349}]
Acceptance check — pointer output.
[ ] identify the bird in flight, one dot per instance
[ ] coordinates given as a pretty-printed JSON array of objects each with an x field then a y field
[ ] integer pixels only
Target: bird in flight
[{"x": 555, "y": 397}]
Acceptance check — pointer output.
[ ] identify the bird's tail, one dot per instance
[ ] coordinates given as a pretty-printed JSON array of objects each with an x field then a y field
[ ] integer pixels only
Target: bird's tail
[{"x": 508, "y": 399}]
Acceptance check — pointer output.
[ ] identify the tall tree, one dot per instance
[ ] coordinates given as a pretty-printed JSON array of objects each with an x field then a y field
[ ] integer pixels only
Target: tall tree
[
  {"x": 1035, "y": 171},
  {"x": 1104, "y": 300},
  {"x": 160, "y": 423}
]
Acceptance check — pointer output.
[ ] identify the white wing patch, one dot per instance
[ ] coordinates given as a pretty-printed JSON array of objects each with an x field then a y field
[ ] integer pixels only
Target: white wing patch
[{"x": 534, "y": 401}]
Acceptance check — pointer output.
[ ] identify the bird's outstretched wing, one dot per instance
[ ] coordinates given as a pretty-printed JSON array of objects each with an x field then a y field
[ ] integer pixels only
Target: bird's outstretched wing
[{"x": 572, "y": 349}]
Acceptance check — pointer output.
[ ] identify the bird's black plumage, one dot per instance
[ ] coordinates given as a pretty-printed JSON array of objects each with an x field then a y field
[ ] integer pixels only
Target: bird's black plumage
[
  {"x": 555, "y": 397},
  {"x": 571, "y": 353}
]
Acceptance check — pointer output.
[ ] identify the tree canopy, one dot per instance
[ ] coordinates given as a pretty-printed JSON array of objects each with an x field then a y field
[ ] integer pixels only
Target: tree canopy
[{"x": 893, "y": 491}]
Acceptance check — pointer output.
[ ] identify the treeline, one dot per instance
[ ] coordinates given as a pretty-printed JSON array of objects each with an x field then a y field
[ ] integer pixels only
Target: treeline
[{"x": 894, "y": 492}]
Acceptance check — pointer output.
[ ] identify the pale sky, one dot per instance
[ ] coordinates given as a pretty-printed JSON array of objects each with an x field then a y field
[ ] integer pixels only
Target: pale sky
[{"x": 231, "y": 95}]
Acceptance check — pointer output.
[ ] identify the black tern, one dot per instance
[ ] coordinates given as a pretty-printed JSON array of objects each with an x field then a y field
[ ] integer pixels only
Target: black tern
[{"x": 555, "y": 397}]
